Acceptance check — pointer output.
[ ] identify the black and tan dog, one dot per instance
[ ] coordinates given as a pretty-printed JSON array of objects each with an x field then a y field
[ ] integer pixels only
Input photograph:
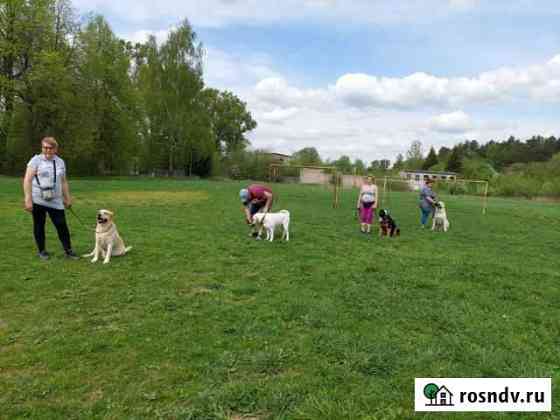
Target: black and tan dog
[{"x": 387, "y": 225}]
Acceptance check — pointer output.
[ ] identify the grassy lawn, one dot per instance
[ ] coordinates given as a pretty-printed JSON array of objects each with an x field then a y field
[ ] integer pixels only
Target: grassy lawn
[{"x": 199, "y": 321}]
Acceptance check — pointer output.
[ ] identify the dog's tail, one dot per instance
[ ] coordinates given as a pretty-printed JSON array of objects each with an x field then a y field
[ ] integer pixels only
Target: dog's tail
[{"x": 128, "y": 248}]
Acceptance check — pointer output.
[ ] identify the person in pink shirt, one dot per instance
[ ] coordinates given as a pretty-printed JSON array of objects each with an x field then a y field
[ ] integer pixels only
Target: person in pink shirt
[{"x": 367, "y": 203}]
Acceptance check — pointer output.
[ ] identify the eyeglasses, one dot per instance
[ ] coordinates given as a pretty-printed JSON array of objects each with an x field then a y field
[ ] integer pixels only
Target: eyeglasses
[{"x": 48, "y": 147}]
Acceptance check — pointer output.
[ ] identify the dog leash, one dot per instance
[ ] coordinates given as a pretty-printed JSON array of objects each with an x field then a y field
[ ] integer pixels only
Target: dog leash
[{"x": 80, "y": 220}]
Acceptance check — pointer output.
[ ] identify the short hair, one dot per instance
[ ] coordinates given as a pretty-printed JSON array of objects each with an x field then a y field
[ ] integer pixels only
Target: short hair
[{"x": 51, "y": 141}]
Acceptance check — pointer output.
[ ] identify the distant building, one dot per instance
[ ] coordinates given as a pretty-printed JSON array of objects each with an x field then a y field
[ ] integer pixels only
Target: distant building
[
  {"x": 314, "y": 176},
  {"x": 279, "y": 158}
]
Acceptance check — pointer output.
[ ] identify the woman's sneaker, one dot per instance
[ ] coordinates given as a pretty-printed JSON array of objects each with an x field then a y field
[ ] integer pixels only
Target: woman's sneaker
[
  {"x": 44, "y": 255},
  {"x": 71, "y": 255}
]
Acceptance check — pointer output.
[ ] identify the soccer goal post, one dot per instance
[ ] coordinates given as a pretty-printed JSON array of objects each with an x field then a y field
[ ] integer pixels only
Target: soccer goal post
[
  {"x": 466, "y": 189},
  {"x": 326, "y": 177}
]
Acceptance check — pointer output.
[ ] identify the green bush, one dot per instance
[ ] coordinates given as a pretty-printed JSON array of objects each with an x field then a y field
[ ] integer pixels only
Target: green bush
[
  {"x": 551, "y": 188},
  {"x": 248, "y": 165},
  {"x": 517, "y": 186},
  {"x": 457, "y": 188}
]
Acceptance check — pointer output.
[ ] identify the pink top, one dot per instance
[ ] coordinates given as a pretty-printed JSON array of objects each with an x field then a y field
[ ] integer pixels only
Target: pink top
[{"x": 256, "y": 192}]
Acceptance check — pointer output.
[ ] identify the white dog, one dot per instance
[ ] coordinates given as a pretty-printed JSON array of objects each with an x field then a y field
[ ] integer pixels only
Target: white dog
[
  {"x": 440, "y": 222},
  {"x": 269, "y": 221},
  {"x": 107, "y": 239}
]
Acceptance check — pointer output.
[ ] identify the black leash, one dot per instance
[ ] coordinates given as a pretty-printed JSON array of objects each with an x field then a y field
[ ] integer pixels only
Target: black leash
[{"x": 80, "y": 220}]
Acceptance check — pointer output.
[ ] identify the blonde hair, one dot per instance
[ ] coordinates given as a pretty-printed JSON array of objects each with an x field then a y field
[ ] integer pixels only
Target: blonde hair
[{"x": 51, "y": 141}]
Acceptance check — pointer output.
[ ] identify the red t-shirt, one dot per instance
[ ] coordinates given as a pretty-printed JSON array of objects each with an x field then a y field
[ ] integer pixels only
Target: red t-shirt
[{"x": 256, "y": 192}]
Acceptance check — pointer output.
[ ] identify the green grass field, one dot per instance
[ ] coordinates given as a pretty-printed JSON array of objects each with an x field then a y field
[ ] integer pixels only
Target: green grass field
[{"x": 201, "y": 322}]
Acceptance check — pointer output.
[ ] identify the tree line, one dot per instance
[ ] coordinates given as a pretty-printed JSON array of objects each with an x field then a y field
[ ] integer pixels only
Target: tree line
[
  {"x": 115, "y": 107},
  {"x": 465, "y": 158}
]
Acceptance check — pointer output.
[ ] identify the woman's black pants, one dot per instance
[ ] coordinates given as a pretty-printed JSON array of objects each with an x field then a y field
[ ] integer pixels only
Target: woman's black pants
[{"x": 59, "y": 221}]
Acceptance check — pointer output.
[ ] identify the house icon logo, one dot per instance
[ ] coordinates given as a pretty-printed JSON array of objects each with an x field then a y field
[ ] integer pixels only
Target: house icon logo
[{"x": 438, "y": 396}]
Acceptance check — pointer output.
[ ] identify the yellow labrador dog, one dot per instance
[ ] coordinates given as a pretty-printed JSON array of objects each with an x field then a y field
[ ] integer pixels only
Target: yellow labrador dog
[{"x": 107, "y": 239}]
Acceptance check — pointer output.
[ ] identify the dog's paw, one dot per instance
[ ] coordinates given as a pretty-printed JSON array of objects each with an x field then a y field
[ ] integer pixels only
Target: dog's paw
[
  {"x": 94, "y": 260},
  {"x": 106, "y": 262}
]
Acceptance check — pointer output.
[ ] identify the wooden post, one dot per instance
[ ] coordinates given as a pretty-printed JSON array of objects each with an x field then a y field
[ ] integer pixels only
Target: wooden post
[
  {"x": 338, "y": 183},
  {"x": 485, "y": 199},
  {"x": 340, "y": 188},
  {"x": 335, "y": 182},
  {"x": 337, "y": 195},
  {"x": 384, "y": 192}
]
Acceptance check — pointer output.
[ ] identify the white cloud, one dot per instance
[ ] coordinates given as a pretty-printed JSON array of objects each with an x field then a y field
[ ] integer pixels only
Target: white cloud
[
  {"x": 364, "y": 90},
  {"x": 421, "y": 89},
  {"x": 276, "y": 91},
  {"x": 279, "y": 115},
  {"x": 215, "y": 13},
  {"x": 453, "y": 122},
  {"x": 229, "y": 71},
  {"x": 463, "y": 4}
]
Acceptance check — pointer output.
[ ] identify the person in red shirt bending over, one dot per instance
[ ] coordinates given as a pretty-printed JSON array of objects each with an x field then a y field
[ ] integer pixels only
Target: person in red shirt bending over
[{"x": 255, "y": 198}]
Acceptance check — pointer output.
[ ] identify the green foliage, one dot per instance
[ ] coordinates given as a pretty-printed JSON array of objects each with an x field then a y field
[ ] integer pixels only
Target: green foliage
[
  {"x": 399, "y": 162},
  {"x": 306, "y": 156},
  {"x": 455, "y": 161},
  {"x": 229, "y": 119},
  {"x": 443, "y": 154},
  {"x": 516, "y": 186},
  {"x": 476, "y": 168},
  {"x": 170, "y": 80},
  {"x": 360, "y": 167},
  {"x": 414, "y": 156},
  {"x": 115, "y": 108},
  {"x": 431, "y": 159},
  {"x": 439, "y": 167},
  {"x": 343, "y": 164},
  {"x": 529, "y": 179},
  {"x": 36, "y": 90},
  {"x": 112, "y": 106},
  {"x": 551, "y": 188},
  {"x": 375, "y": 166},
  {"x": 245, "y": 164}
]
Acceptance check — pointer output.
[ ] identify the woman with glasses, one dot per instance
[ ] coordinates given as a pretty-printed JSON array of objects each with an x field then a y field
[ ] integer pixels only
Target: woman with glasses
[{"x": 46, "y": 191}]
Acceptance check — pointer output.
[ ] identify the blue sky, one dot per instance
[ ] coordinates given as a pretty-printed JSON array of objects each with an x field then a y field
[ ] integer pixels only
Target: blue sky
[{"x": 366, "y": 78}]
